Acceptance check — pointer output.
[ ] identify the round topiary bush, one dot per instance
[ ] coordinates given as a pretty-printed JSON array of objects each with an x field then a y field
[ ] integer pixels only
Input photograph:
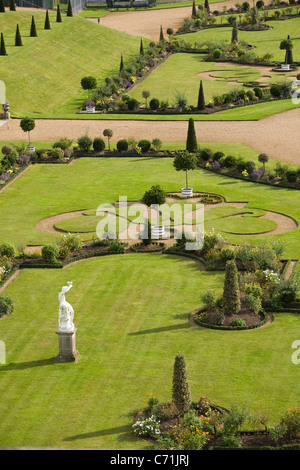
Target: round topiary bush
[
  {"x": 217, "y": 156},
  {"x": 206, "y": 154},
  {"x": 50, "y": 253},
  {"x": 229, "y": 161},
  {"x": 133, "y": 104},
  {"x": 84, "y": 143},
  {"x": 154, "y": 104},
  {"x": 122, "y": 145},
  {"x": 98, "y": 144},
  {"x": 144, "y": 145},
  {"x": 276, "y": 90},
  {"x": 258, "y": 92},
  {"x": 291, "y": 176},
  {"x": 250, "y": 167},
  {"x": 6, "y": 150},
  {"x": 217, "y": 53}
]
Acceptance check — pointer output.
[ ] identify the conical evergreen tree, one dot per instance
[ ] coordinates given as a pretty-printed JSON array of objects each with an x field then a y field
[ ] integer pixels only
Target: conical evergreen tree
[
  {"x": 122, "y": 68},
  {"x": 194, "y": 11},
  {"x": 69, "y": 10},
  {"x": 12, "y": 5},
  {"x": 18, "y": 39},
  {"x": 2, "y": 7},
  {"x": 206, "y": 5},
  {"x": 161, "y": 36},
  {"x": 58, "y": 14},
  {"x": 234, "y": 34},
  {"x": 141, "y": 48},
  {"x": 47, "y": 21},
  {"x": 231, "y": 293},
  {"x": 201, "y": 100},
  {"x": 33, "y": 32},
  {"x": 191, "y": 141},
  {"x": 181, "y": 390},
  {"x": 2, "y": 46}
]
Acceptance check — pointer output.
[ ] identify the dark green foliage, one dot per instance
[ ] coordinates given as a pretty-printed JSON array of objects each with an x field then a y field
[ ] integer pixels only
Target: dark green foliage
[
  {"x": 194, "y": 11},
  {"x": 260, "y": 4},
  {"x": 122, "y": 145},
  {"x": 250, "y": 166},
  {"x": 287, "y": 45},
  {"x": 18, "y": 39},
  {"x": 245, "y": 6},
  {"x": 276, "y": 90},
  {"x": 84, "y": 143},
  {"x": 88, "y": 83},
  {"x": 69, "y": 10},
  {"x": 47, "y": 21},
  {"x": 231, "y": 293},
  {"x": 12, "y": 5},
  {"x": 98, "y": 144},
  {"x": 206, "y": 154},
  {"x": 116, "y": 248},
  {"x": 27, "y": 124},
  {"x": 145, "y": 234},
  {"x": 6, "y": 305},
  {"x": 122, "y": 68},
  {"x": 2, "y": 7},
  {"x": 133, "y": 104},
  {"x": 33, "y": 32},
  {"x": 217, "y": 156},
  {"x": 206, "y": 5},
  {"x": 7, "y": 249},
  {"x": 58, "y": 14},
  {"x": 229, "y": 161},
  {"x": 181, "y": 390},
  {"x": 154, "y": 104},
  {"x": 191, "y": 141},
  {"x": 263, "y": 158},
  {"x": 291, "y": 176},
  {"x": 144, "y": 145},
  {"x": 234, "y": 34},
  {"x": 161, "y": 36},
  {"x": 155, "y": 195},
  {"x": 50, "y": 253},
  {"x": 2, "y": 46},
  {"x": 201, "y": 100},
  {"x": 258, "y": 92},
  {"x": 142, "y": 53}
]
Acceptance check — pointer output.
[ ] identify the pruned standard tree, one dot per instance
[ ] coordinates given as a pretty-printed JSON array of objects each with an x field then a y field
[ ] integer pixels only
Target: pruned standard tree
[
  {"x": 185, "y": 161},
  {"x": 231, "y": 292},
  {"x": 47, "y": 21},
  {"x": 146, "y": 95},
  {"x": 287, "y": 45},
  {"x": 89, "y": 83},
  {"x": 18, "y": 39},
  {"x": 108, "y": 133},
  {"x": 191, "y": 141},
  {"x": 27, "y": 125},
  {"x": 181, "y": 390},
  {"x": 154, "y": 196},
  {"x": 263, "y": 158}
]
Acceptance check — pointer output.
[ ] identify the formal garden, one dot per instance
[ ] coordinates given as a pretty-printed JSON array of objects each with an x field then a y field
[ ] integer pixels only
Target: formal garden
[{"x": 179, "y": 348}]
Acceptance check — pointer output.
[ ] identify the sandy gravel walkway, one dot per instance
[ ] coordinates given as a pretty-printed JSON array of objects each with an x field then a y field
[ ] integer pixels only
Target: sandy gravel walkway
[{"x": 276, "y": 135}]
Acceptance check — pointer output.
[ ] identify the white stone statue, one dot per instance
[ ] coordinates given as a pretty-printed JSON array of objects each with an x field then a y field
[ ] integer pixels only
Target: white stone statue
[{"x": 66, "y": 312}]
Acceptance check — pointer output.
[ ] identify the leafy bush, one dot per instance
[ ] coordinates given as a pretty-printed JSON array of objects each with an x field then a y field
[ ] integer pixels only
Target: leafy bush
[
  {"x": 63, "y": 143},
  {"x": 254, "y": 303},
  {"x": 98, "y": 144},
  {"x": 206, "y": 154},
  {"x": 227, "y": 253},
  {"x": 116, "y": 247},
  {"x": 291, "y": 421},
  {"x": 275, "y": 90},
  {"x": 50, "y": 253},
  {"x": 250, "y": 166},
  {"x": 209, "y": 299},
  {"x": 291, "y": 176},
  {"x": 8, "y": 250},
  {"x": 229, "y": 161},
  {"x": 84, "y": 143},
  {"x": 156, "y": 144},
  {"x": 217, "y": 156},
  {"x": 70, "y": 240},
  {"x": 238, "y": 322},
  {"x": 258, "y": 92},
  {"x": 6, "y": 305},
  {"x": 144, "y": 145},
  {"x": 122, "y": 145},
  {"x": 57, "y": 153},
  {"x": 217, "y": 53},
  {"x": 133, "y": 104},
  {"x": 154, "y": 104}
]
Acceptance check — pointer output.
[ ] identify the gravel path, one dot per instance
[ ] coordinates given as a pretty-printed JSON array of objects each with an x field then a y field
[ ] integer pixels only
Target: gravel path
[{"x": 276, "y": 135}]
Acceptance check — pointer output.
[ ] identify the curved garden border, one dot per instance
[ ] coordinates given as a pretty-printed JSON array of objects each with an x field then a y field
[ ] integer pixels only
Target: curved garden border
[{"x": 266, "y": 320}]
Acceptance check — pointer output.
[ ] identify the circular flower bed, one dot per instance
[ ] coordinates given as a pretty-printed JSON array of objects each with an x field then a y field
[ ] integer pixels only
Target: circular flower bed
[
  {"x": 151, "y": 248},
  {"x": 244, "y": 320}
]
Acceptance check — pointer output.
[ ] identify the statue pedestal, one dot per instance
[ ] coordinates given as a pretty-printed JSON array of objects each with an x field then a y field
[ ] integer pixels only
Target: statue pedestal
[{"x": 67, "y": 346}]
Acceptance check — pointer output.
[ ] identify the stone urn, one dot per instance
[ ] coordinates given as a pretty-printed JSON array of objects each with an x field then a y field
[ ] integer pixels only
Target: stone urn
[
  {"x": 186, "y": 192},
  {"x": 30, "y": 148},
  {"x": 285, "y": 66},
  {"x": 90, "y": 109},
  {"x": 158, "y": 231}
]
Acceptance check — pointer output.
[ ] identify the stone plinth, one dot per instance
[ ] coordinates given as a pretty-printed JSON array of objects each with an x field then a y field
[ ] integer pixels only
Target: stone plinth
[{"x": 67, "y": 346}]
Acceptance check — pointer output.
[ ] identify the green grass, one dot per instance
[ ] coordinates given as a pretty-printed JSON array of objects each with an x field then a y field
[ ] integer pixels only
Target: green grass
[
  {"x": 90, "y": 182},
  {"x": 127, "y": 339},
  {"x": 37, "y": 75}
]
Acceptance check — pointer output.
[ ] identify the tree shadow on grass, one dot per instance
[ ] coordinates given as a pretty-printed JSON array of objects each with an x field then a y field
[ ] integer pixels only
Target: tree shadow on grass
[
  {"x": 28, "y": 365},
  {"x": 180, "y": 326},
  {"x": 104, "y": 432}
]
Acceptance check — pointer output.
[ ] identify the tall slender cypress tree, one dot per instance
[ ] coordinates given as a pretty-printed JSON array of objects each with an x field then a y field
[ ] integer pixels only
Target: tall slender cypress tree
[
  {"x": 33, "y": 32},
  {"x": 2, "y": 7},
  {"x": 18, "y": 39},
  {"x": 142, "y": 48},
  {"x": 201, "y": 100},
  {"x": 2, "y": 46},
  {"x": 69, "y": 10},
  {"x": 181, "y": 390},
  {"x": 206, "y": 5},
  {"x": 191, "y": 141},
  {"x": 234, "y": 34},
  {"x": 194, "y": 11},
  {"x": 122, "y": 68},
  {"x": 58, "y": 15},
  {"x": 12, "y": 5},
  {"x": 47, "y": 21},
  {"x": 161, "y": 36}
]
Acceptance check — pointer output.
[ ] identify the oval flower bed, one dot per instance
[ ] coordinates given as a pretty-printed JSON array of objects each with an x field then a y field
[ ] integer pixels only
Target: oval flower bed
[
  {"x": 251, "y": 319},
  {"x": 151, "y": 248}
]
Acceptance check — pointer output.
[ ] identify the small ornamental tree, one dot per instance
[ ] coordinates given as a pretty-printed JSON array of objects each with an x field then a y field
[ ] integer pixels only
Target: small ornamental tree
[
  {"x": 58, "y": 14},
  {"x": 181, "y": 390},
  {"x": 154, "y": 196},
  {"x": 161, "y": 35},
  {"x": 2, "y": 7},
  {"x": 12, "y": 5},
  {"x": 234, "y": 34},
  {"x": 142, "y": 53},
  {"x": 185, "y": 161},
  {"x": 108, "y": 133},
  {"x": 287, "y": 45},
  {"x": 263, "y": 158},
  {"x": 18, "y": 39},
  {"x": 231, "y": 293},
  {"x": 170, "y": 32},
  {"x": 191, "y": 141},
  {"x": 2, "y": 46},
  {"x": 69, "y": 10},
  {"x": 201, "y": 100},
  {"x": 194, "y": 11},
  {"x": 88, "y": 83},
  {"x": 146, "y": 95},
  {"x": 33, "y": 33},
  {"x": 47, "y": 21},
  {"x": 27, "y": 125}
]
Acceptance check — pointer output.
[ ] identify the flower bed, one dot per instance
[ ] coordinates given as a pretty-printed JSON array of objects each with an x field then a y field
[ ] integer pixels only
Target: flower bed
[{"x": 151, "y": 248}]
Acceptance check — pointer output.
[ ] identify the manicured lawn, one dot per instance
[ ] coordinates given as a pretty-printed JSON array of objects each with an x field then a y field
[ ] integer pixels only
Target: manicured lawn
[
  {"x": 74, "y": 48},
  {"x": 87, "y": 183},
  {"x": 127, "y": 338}
]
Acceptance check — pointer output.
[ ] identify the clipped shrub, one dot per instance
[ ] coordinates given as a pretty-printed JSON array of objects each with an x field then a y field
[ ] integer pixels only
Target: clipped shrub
[
  {"x": 238, "y": 322},
  {"x": 156, "y": 144},
  {"x": 122, "y": 145},
  {"x": 291, "y": 176},
  {"x": 116, "y": 248},
  {"x": 227, "y": 254},
  {"x": 133, "y": 104},
  {"x": 144, "y": 145},
  {"x": 181, "y": 390},
  {"x": 50, "y": 253},
  {"x": 217, "y": 155},
  {"x": 7, "y": 249},
  {"x": 276, "y": 90},
  {"x": 229, "y": 161},
  {"x": 258, "y": 92},
  {"x": 231, "y": 293},
  {"x": 206, "y": 154},
  {"x": 250, "y": 167},
  {"x": 84, "y": 143},
  {"x": 154, "y": 104},
  {"x": 98, "y": 144},
  {"x": 217, "y": 53}
]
